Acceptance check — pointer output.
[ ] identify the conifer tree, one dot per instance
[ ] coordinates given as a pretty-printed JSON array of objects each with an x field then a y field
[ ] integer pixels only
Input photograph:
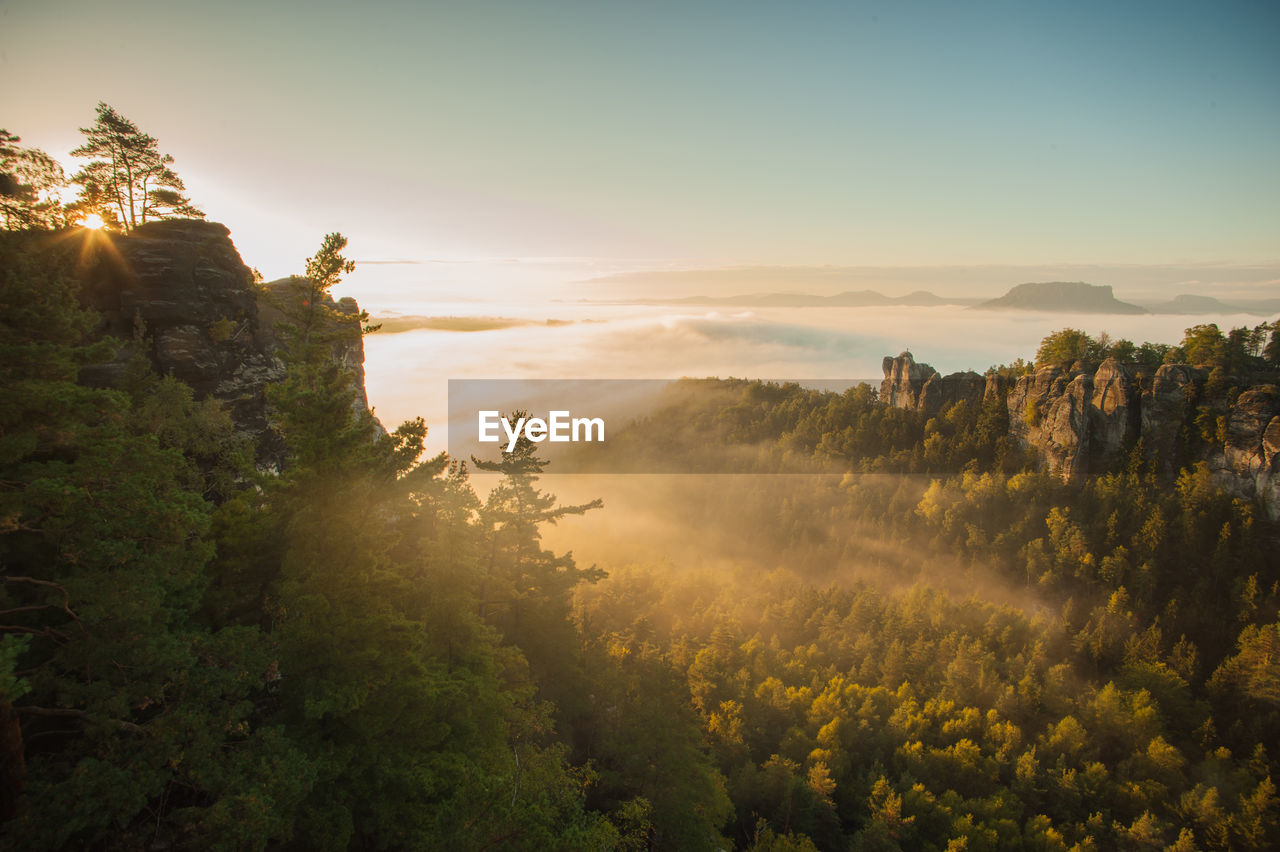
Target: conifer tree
[
  {"x": 128, "y": 722},
  {"x": 389, "y": 679},
  {"x": 127, "y": 180},
  {"x": 526, "y": 588},
  {"x": 1271, "y": 352}
]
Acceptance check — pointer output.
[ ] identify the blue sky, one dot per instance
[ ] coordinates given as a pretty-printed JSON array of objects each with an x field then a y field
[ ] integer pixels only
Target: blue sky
[{"x": 610, "y": 135}]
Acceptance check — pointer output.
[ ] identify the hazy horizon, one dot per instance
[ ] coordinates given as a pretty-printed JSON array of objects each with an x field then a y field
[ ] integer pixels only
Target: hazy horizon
[
  {"x": 500, "y": 159},
  {"x": 407, "y": 373},
  {"x": 586, "y": 139}
]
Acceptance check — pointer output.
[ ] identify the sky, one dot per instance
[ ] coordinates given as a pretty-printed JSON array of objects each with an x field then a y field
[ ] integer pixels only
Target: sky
[{"x": 483, "y": 145}]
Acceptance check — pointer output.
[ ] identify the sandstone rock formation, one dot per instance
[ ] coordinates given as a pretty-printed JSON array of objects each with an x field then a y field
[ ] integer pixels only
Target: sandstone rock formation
[
  {"x": 1249, "y": 461},
  {"x": 178, "y": 292},
  {"x": 1049, "y": 410},
  {"x": 1115, "y": 413},
  {"x": 919, "y": 387},
  {"x": 904, "y": 380},
  {"x": 1080, "y": 422},
  {"x": 1166, "y": 406},
  {"x": 940, "y": 392}
]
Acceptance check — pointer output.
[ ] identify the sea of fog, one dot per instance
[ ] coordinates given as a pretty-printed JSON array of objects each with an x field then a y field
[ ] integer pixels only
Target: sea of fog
[{"x": 407, "y": 373}]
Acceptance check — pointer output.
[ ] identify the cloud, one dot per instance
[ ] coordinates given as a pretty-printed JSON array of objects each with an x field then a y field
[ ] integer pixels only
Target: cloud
[{"x": 807, "y": 340}]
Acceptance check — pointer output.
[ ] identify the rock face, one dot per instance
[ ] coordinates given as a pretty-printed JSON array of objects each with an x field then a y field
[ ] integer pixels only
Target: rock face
[
  {"x": 1084, "y": 424},
  {"x": 1249, "y": 456},
  {"x": 904, "y": 380},
  {"x": 1114, "y": 413},
  {"x": 919, "y": 387},
  {"x": 1081, "y": 423},
  {"x": 939, "y": 392},
  {"x": 1166, "y": 406},
  {"x": 180, "y": 292},
  {"x": 1049, "y": 410}
]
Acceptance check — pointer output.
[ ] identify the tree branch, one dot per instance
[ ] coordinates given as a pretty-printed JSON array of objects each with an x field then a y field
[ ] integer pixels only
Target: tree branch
[
  {"x": 66, "y": 598},
  {"x": 47, "y": 631},
  {"x": 32, "y": 608},
  {"x": 72, "y": 713}
]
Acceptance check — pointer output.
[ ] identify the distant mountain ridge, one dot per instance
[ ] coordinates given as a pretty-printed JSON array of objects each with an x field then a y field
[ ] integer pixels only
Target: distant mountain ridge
[
  {"x": 1064, "y": 296},
  {"x": 1189, "y": 304},
  {"x": 847, "y": 299},
  {"x": 1073, "y": 296}
]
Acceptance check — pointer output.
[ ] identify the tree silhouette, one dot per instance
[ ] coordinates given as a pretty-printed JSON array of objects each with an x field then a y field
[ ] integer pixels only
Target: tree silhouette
[
  {"x": 30, "y": 186},
  {"x": 127, "y": 175}
]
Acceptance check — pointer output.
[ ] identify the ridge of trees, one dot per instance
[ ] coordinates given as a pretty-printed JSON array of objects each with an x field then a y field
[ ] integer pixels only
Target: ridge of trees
[{"x": 1239, "y": 350}]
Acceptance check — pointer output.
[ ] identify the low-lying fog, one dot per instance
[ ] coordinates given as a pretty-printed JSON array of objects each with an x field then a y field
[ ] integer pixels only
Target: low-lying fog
[
  {"x": 407, "y": 372},
  {"x": 653, "y": 520}
]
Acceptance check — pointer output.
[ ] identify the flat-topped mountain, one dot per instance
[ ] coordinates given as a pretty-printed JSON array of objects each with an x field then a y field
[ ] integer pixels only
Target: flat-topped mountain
[{"x": 1073, "y": 296}]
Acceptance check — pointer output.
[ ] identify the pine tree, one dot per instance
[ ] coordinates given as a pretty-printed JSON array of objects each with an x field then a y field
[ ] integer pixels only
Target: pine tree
[
  {"x": 1271, "y": 352},
  {"x": 128, "y": 181},
  {"x": 526, "y": 589},
  {"x": 137, "y": 724},
  {"x": 366, "y": 581}
]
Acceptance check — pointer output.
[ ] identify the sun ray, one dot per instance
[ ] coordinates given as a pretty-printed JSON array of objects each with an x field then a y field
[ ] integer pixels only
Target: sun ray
[{"x": 95, "y": 241}]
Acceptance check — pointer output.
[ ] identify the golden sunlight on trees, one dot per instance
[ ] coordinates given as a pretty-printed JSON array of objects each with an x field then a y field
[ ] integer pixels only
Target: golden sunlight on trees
[
  {"x": 310, "y": 306},
  {"x": 324, "y": 270},
  {"x": 127, "y": 181}
]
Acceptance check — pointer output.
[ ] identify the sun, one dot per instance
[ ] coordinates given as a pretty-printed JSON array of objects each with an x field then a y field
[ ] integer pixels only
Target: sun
[{"x": 93, "y": 222}]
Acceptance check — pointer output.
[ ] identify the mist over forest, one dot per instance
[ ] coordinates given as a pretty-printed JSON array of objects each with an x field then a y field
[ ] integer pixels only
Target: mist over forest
[
  {"x": 407, "y": 373},
  {"x": 935, "y": 502},
  {"x": 1030, "y": 608}
]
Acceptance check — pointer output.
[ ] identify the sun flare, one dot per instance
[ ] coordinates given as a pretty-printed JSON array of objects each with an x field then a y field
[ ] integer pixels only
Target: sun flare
[{"x": 93, "y": 222}]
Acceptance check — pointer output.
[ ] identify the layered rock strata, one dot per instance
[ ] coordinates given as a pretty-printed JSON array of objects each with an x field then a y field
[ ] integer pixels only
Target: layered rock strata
[
  {"x": 1085, "y": 422},
  {"x": 178, "y": 292}
]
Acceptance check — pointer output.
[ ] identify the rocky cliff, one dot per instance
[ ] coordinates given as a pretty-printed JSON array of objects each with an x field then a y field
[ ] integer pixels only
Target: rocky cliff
[
  {"x": 918, "y": 386},
  {"x": 1085, "y": 422},
  {"x": 179, "y": 292}
]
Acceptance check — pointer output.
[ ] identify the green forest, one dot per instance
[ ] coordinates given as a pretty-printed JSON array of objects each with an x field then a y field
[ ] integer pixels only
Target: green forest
[{"x": 926, "y": 642}]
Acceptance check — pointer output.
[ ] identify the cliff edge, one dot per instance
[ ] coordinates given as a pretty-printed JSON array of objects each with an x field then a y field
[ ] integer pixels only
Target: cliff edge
[
  {"x": 178, "y": 292},
  {"x": 1085, "y": 422}
]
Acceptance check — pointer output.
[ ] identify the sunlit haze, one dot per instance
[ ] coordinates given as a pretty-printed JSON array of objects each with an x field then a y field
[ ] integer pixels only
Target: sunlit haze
[
  {"x": 510, "y": 160},
  {"x": 961, "y": 533},
  {"x": 473, "y": 141}
]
